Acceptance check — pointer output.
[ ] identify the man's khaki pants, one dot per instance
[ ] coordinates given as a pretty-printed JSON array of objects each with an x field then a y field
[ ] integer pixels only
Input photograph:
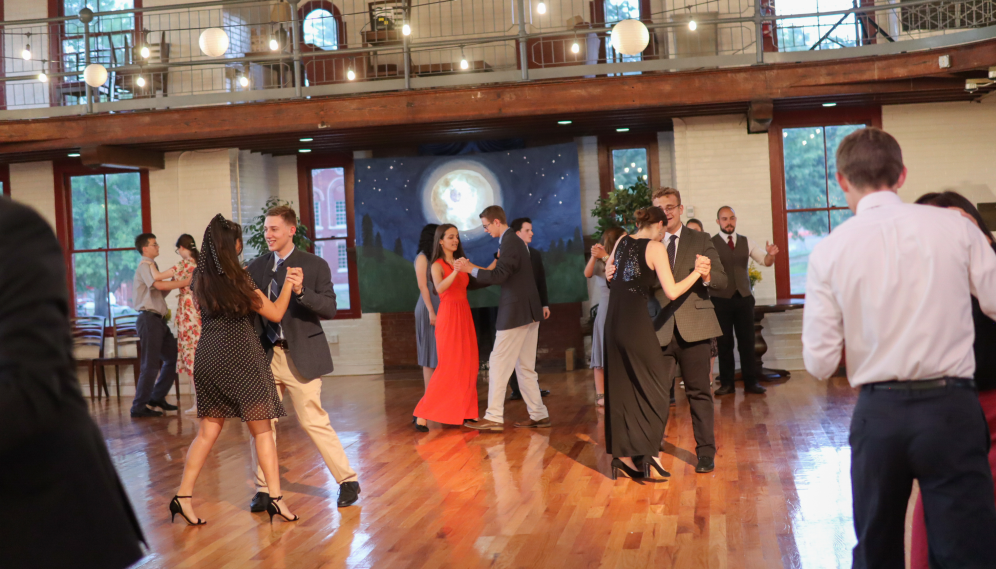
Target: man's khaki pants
[{"x": 306, "y": 395}]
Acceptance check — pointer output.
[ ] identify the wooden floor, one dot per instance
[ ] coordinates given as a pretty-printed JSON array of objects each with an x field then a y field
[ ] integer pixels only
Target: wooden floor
[{"x": 779, "y": 497}]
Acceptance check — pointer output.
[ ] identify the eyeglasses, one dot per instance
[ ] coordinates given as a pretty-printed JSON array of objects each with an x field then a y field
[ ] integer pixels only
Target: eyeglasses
[{"x": 670, "y": 208}]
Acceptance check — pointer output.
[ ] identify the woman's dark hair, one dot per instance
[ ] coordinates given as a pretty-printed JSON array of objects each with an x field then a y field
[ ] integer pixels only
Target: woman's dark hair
[
  {"x": 693, "y": 220},
  {"x": 220, "y": 284},
  {"x": 649, "y": 216},
  {"x": 610, "y": 236},
  {"x": 425, "y": 239},
  {"x": 954, "y": 199},
  {"x": 187, "y": 242},
  {"x": 437, "y": 249}
]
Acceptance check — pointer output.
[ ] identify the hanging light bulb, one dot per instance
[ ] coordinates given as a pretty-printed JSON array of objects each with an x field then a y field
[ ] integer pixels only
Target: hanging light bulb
[
  {"x": 692, "y": 25},
  {"x": 406, "y": 29},
  {"x": 575, "y": 48},
  {"x": 541, "y": 8},
  {"x": 350, "y": 74},
  {"x": 42, "y": 77},
  {"x": 244, "y": 81},
  {"x": 274, "y": 44},
  {"x": 463, "y": 61},
  {"x": 26, "y": 52},
  {"x": 140, "y": 81},
  {"x": 145, "y": 52}
]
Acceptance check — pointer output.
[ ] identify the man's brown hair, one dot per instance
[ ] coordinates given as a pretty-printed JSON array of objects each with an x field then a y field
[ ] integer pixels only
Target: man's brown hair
[
  {"x": 870, "y": 158},
  {"x": 666, "y": 191},
  {"x": 284, "y": 212},
  {"x": 492, "y": 213}
]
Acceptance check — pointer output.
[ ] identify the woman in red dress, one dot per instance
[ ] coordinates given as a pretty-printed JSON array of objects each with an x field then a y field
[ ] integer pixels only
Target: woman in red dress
[{"x": 451, "y": 397}]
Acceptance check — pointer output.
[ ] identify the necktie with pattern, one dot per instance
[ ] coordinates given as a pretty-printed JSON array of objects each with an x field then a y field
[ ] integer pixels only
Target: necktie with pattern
[
  {"x": 672, "y": 248},
  {"x": 273, "y": 331}
]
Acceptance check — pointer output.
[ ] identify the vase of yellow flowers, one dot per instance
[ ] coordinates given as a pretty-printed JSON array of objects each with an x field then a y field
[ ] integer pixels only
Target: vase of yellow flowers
[{"x": 754, "y": 274}]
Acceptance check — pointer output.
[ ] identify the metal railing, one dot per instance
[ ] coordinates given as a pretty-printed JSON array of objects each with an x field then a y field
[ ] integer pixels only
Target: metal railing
[{"x": 153, "y": 56}]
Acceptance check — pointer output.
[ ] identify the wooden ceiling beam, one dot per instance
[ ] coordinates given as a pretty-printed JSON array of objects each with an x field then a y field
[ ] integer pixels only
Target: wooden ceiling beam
[
  {"x": 121, "y": 157},
  {"x": 684, "y": 93}
]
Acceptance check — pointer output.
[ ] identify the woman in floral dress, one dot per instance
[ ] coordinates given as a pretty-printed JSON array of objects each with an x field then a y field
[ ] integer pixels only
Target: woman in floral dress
[{"x": 188, "y": 317}]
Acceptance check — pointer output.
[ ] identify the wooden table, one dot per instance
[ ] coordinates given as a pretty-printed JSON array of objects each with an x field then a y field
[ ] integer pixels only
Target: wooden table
[{"x": 760, "y": 346}]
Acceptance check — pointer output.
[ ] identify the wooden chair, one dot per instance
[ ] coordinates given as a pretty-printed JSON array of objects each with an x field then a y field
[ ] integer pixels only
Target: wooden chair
[
  {"x": 88, "y": 350},
  {"x": 127, "y": 348}
]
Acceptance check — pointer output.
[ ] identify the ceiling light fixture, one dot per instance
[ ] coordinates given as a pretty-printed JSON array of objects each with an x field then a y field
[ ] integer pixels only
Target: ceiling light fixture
[
  {"x": 274, "y": 44},
  {"x": 26, "y": 52},
  {"x": 307, "y": 139},
  {"x": 140, "y": 81},
  {"x": 541, "y": 8},
  {"x": 42, "y": 77},
  {"x": 463, "y": 60},
  {"x": 564, "y": 122},
  {"x": 622, "y": 130},
  {"x": 244, "y": 81},
  {"x": 692, "y": 25},
  {"x": 73, "y": 155},
  {"x": 304, "y": 150},
  {"x": 145, "y": 52},
  {"x": 829, "y": 104},
  {"x": 406, "y": 29}
]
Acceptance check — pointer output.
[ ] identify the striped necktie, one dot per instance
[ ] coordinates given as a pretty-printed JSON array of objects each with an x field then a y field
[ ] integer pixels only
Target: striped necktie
[
  {"x": 671, "y": 249},
  {"x": 273, "y": 329}
]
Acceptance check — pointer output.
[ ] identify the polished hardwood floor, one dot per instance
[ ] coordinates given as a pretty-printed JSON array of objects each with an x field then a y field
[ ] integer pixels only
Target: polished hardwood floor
[{"x": 779, "y": 497}]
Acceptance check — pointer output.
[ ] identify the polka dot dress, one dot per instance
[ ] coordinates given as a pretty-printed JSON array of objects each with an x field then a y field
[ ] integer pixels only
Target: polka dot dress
[{"x": 231, "y": 374}]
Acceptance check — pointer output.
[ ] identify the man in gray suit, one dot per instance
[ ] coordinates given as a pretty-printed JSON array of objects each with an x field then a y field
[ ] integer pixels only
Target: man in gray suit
[
  {"x": 299, "y": 353},
  {"x": 519, "y": 315},
  {"x": 686, "y": 324}
]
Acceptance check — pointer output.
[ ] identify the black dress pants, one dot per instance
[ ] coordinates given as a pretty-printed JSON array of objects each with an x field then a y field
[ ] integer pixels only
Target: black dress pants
[
  {"x": 736, "y": 317},
  {"x": 939, "y": 437},
  {"x": 693, "y": 357},
  {"x": 158, "y": 359}
]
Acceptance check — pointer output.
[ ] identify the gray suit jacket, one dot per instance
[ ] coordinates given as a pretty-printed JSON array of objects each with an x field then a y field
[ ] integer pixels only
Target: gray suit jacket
[
  {"x": 691, "y": 312},
  {"x": 309, "y": 349},
  {"x": 519, "y": 303}
]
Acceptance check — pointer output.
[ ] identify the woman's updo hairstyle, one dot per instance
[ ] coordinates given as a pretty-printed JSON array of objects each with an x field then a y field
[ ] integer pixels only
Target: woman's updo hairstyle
[{"x": 649, "y": 216}]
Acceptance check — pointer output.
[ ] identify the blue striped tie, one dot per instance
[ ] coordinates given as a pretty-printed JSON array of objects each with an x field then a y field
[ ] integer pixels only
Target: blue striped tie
[{"x": 273, "y": 331}]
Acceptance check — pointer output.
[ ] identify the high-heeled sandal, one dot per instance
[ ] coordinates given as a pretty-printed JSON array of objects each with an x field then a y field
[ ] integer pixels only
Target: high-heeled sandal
[
  {"x": 649, "y": 463},
  {"x": 419, "y": 428},
  {"x": 274, "y": 510},
  {"x": 600, "y": 399},
  {"x": 175, "y": 508},
  {"x": 618, "y": 465}
]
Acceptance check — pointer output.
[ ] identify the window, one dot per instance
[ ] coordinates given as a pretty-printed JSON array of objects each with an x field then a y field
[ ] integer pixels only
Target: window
[
  {"x": 624, "y": 160},
  {"x": 327, "y": 180},
  {"x": 629, "y": 166},
  {"x": 111, "y": 40},
  {"x": 102, "y": 214},
  {"x": 804, "y": 34},
  {"x": 617, "y": 11},
  {"x": 4, "y": 179},
  {"x": 810, "y": 203},
  {"x": 321, "y": 29}
]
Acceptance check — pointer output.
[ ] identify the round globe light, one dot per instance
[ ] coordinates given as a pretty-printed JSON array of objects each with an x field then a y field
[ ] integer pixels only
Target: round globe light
[
  {"x": 95, "y": 75},
  {"x": 630, "y": 37},
  {"x": 213, "y": 42},
  {"x": 575, "y": 48}
]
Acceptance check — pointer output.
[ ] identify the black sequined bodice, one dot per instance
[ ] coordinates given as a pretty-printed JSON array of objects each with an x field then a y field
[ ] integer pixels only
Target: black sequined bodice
[{"x": 632, "y": 273}]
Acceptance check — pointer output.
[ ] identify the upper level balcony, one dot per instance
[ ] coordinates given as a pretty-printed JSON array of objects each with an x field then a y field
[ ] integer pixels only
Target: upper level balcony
[{"x": 231, "y": 52}]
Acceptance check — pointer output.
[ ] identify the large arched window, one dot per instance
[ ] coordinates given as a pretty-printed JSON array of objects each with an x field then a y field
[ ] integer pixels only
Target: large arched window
[{"x": 322, "y": 25}]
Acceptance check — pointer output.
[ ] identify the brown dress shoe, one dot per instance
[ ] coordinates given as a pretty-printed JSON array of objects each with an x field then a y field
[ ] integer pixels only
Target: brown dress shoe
[
  {"x": 530, "y": 424},
  {"x": 485, "y": 425}
]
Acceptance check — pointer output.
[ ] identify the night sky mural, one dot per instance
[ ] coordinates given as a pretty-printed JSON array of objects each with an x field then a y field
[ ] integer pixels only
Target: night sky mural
[{"x": 395, "y": 197}]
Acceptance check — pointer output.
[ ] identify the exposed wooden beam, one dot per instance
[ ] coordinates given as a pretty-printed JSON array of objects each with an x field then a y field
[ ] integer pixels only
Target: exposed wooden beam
[
  {"x": 121, "y": 157},
  {"x": 683, "y": 93}
]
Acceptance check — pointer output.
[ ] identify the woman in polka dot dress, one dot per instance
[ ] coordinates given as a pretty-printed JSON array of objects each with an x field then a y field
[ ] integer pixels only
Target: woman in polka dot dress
[{"x": 231, "y": 374}]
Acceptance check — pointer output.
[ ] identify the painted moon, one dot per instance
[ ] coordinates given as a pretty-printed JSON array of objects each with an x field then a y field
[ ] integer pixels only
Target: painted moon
[{"x": 459, "y": 196}]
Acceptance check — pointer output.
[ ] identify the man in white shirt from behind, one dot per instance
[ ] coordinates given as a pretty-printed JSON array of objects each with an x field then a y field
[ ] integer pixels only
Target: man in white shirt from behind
[{"x": 893, "y": 283}]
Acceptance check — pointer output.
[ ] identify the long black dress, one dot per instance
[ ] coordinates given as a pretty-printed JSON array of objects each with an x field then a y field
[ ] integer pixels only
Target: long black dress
[{"x": 637, "y": 374}]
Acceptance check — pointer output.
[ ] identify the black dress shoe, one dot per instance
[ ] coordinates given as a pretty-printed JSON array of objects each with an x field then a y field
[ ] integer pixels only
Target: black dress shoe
[
  {"x": 726, "y": 390},
  {"x": 516, "y": 396},
  {"x": 349, "y": 493},
  {"x": 706, "y": 464},
  {"x": 146, "y": 412},
  {"x": 163, "y": 405},
  {"x": 755, "y": 389},
  {"x": 544, "y": 392},
  {"x": 674, "y": 401},
  {"x": 259, "y": 502}
]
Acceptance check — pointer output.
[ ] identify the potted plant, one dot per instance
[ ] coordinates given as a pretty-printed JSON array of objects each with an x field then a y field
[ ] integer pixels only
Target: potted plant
[
  {"x": 619, "y": 207},
  {"x": 256, "y": 233}
]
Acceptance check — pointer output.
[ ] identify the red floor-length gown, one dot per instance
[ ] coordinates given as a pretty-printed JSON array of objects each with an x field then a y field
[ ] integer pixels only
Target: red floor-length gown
[{"x": 451, "y": 396}]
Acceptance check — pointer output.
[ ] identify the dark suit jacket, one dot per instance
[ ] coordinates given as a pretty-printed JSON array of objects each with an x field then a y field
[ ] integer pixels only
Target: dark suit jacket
[
  {"x": 536, "y": 259},
  {"x": 309, "y": 349},
  {"x": 519, "y": 303},
  {"x": 64, "y": 505},
  {"x": 692, "y": 312}
]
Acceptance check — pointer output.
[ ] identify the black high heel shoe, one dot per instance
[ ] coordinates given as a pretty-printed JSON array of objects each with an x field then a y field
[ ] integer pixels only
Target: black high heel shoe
[
  {"x": 175, "y": 508},
  {"x": 649, "y": 463},
  {"x": 618, "y": 465},
  {"x": 419, "y": 428},
  {"x": 274, "y": 510}
]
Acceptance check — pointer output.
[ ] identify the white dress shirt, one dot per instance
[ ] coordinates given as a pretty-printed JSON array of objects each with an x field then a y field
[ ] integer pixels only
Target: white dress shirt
[
  {"x": 277, "y": 259},
  {"x": 894, "y": 283},
  {"x": 756, "y": 253}
]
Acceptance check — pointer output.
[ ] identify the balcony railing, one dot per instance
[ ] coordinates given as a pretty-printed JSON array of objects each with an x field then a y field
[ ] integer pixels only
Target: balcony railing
[{"x": 153, "y": 57}]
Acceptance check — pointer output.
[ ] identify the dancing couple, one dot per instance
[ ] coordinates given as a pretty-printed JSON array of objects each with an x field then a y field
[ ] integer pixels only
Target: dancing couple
[
  {"x": 243, "y": 365},
  {"x": 451, "y": 396}
]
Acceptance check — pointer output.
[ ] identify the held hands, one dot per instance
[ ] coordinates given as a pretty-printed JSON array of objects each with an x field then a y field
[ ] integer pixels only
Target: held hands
[
  {"x": 462, "y": 265},
  {"x": 771, "y": 248},
  {"x": 703, "y": 266},
  {"x": 598, "y": 252},
  {"x": 295, "y": 278}
]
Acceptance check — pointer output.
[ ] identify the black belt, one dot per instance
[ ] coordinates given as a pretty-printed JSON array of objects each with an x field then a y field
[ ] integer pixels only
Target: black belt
[
  {"x": 919, "y": 384},
  {"x": 154, "y": 313},
  {"x": 282, "y": 344}
]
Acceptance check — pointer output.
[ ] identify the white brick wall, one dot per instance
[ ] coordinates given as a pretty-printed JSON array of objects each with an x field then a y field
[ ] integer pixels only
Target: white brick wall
[
  {"x": 287, "y": 179},
  {"x": 717, "y": 163},
  {"x": 32, "y": 183},
  {"x": 946, "y": 146}
]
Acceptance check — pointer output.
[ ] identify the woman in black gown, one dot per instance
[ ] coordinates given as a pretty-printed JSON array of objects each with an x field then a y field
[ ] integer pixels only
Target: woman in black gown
[
  {"x": 636, "y": 371},
  {"x": 231, "y": 374}
]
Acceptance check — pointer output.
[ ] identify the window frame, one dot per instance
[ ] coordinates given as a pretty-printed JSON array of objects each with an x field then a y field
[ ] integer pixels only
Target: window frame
[
  {"x": 870, "y": 116},
  {"x": 4, "y": 168},
  {"x": 312, "y": 5},
  {"x": 305, "y": 164},
  {"x": 62, "y": 172},
  {"x": 606, "y": 144}
]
